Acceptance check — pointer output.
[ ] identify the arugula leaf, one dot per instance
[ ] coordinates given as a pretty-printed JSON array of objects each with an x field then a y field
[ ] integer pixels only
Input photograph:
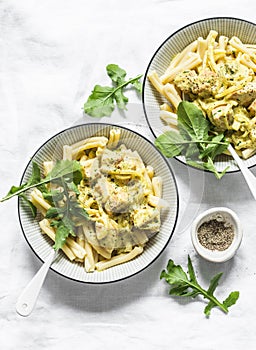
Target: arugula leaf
[
  {"x": 209, "y": 165},
  {"x": 34, "y": 178},
  {"x": 191, "y": 121},
  {"x": 214, "y": 149},
  {"x": 30, "y": 204},
  {"x": 68, "y": 175},
  {"x": 170, "y": 144},
  {"x": 116, "y": 73},
  {"x": 102, "y": 100},
  {"x": 53, "y": 196},
  {"x": 137, "y": 85},
  {"x": 193, "y": 140},
  {"x": 67, "y": 169},
  {"x": 64, "y": 216},
  {"x": 70, "y": 170},
  {"x": 64, "y": 229},
  {"x": 18, "y": 190},
  {"x": 231, "y": 299},
  {"x": 187, "y": 286}
]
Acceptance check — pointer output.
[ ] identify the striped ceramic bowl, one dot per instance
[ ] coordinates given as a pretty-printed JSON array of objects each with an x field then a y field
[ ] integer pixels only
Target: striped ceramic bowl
[
  {"x": 174, "y": 44},
  {"x": 41, "y": 244}
]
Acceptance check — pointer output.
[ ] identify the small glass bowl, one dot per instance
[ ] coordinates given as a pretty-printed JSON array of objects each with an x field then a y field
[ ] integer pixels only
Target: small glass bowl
[{"x": 216, "y": 255}]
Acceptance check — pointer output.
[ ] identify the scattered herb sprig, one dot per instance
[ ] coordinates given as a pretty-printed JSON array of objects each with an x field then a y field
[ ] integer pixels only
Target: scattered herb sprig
[
  {"x": 194, "y": 139},
  {"x": 186, "y": 285},
  {"x": 102, "y": 100},
  {"x": 67, "y": 175}
]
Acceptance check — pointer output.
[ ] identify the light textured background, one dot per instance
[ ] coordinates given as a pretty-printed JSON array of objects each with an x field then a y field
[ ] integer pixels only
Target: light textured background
[{"x": 52, "y": 53}]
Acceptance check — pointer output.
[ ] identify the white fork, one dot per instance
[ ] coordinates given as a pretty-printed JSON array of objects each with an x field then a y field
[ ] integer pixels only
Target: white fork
[{"x": 248, "y": 175}]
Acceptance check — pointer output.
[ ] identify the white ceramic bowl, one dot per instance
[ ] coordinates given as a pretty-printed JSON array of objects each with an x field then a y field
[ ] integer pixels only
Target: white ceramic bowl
[
  {"x": 41, "y": 244},
  {"x": 215, "y": 255},
  {"x": 174, "y": 44}
]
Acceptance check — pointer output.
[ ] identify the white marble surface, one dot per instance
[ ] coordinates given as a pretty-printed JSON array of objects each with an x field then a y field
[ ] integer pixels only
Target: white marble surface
[{"x": 52, "y": 54}]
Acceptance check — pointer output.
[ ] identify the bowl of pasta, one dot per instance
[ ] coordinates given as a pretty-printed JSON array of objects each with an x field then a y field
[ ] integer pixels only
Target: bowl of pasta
[
  {"x": 104, "y": 197},
  {"x": 210, "y": 64}
]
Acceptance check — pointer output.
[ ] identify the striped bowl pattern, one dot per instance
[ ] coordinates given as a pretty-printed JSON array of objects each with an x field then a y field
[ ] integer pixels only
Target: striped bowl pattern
[
  {"x": 175, "y": 43},
  {"x": 41, "y": 244}
]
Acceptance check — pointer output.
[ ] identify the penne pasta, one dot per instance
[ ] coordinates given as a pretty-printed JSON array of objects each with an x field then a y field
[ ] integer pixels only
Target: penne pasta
[
  {"x": 119, "y": 259},
  {"x": 50, "y": 232},
  {"x": 156, "y": 81},
  {"x": 172, "y": 95},
  {"x": 116, "y": 187},
  {"x": 170, "y": 74},
  {"x": 212, "y": 72},
  {"x": 157, "y": 184},
  {"x": 67, "y": 152}
]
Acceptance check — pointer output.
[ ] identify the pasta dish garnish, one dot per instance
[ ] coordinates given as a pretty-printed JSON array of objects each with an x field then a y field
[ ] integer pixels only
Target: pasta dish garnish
[
  {"x": 217, "y": 74},
  {"x": 121, "y": 195}
]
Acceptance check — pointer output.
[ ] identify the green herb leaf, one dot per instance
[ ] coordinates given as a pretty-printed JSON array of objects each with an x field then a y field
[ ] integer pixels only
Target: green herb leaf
[
  {"x": 102, "y": 100},
  {"x": 214, "y": 283},
  {"x": 138, "y": 86},
  {"x": 54, "y": 212},
  {"x": 19, "y": 190},
  {"x": 208, "y": 308},
  {"x": 194, "y": 140},
  {"x": 191, "y": 271},
  {"x": 116, "y": 73},
  {"x": 170, "y": 144},
  {"x": 78, "y": 211},
  {"x": 30, "y": 204},
  {"x": 66, "y": 214},
  {"x": 209, "y": 165},
  {"x": 187, "y": 286},
  {"x": 53, "y": 196},
  {"x": 231, "y": 299},
  {"x": 191, "y": 122},
  {"x": 62, "y": 232},
  {"x": 73, "y": 187},
  {"x": 70, "y": 170},
  {"x": 67, "y": 169},
  {"x": 214, "y": 149}
]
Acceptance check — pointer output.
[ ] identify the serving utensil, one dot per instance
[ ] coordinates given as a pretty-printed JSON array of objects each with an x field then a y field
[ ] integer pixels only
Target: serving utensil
[
  {"x": 248, "y": 175},
  {"x": 28, "y": 297}
]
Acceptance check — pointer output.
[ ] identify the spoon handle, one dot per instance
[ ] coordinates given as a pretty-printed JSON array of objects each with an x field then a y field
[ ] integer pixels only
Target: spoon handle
[
  {"x": 28, "y": 297},
  {"x": 248, "y": 175}
]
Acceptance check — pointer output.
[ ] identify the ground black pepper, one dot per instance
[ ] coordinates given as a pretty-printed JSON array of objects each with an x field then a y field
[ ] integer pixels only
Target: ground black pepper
[{"x": 215, "y": 234}]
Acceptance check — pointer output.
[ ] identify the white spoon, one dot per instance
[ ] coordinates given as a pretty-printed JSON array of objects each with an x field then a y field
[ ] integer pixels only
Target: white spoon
[
  {"x": 248, "y": 175},
  {"x": 28, "y": 297}
]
